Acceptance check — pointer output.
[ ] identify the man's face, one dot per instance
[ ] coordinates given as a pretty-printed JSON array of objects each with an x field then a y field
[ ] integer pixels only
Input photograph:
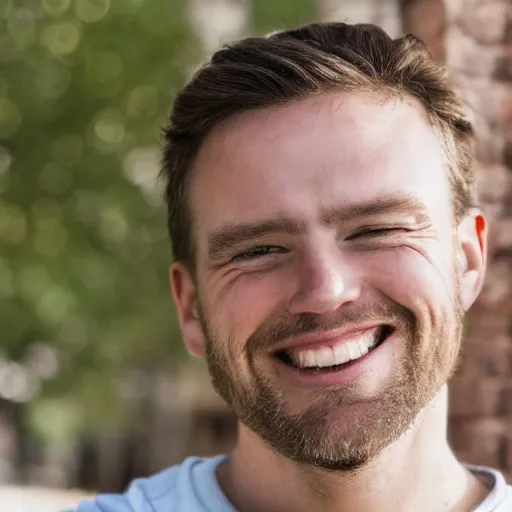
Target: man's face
[{"x": 327, "y": 282}]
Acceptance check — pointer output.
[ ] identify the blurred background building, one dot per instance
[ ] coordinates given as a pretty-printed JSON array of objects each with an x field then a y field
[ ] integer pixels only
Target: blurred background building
[{"x": 95, "y": 387}]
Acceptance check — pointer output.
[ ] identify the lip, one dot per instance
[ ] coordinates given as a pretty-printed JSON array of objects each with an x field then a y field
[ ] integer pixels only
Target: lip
[{"x": 333, "y": 337}]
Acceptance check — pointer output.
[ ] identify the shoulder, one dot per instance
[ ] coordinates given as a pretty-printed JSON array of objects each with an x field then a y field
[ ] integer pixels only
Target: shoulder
[
  {"x": 166, "y": 491},
  {"x": 505, "y": 504},
  {"x": 500, "y": 496}
]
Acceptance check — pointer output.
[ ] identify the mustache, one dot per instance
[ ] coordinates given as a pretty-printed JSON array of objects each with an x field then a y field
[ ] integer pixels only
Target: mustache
[{"x": 277, "y": 330}]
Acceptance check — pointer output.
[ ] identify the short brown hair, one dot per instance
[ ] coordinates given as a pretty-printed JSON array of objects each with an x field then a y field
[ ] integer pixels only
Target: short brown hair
[{"x": 259, "y": 72}]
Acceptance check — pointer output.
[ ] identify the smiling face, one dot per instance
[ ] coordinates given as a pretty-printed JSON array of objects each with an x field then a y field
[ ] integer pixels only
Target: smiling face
[{"x": 330, "y": 281}]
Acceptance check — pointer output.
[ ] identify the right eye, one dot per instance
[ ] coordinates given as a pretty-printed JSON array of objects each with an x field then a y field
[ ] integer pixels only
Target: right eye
[{"x": 258, "y": 252}]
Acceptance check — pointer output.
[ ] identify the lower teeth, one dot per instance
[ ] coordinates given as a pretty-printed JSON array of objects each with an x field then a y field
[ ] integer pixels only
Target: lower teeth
[{"x": 325, "y": 368}]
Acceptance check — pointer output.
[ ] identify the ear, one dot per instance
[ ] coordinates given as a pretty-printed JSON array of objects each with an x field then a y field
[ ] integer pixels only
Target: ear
[
  {"x": 184, "y": 292},
  {"x": 472, "y": 238}
]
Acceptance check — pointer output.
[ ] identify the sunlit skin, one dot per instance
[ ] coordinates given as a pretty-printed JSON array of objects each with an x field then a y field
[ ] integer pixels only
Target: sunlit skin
[{"x": 337, "y": 207}]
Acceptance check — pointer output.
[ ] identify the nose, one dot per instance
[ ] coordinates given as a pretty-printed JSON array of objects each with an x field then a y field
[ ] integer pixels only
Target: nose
[{"x": 325, "y": 281}]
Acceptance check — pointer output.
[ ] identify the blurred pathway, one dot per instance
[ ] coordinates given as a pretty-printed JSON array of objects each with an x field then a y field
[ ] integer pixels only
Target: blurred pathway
[{"x": 31, "y": 499}]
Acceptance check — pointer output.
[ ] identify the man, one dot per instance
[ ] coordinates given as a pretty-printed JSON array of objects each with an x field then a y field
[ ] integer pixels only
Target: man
[{"x": 327, "y": 244}]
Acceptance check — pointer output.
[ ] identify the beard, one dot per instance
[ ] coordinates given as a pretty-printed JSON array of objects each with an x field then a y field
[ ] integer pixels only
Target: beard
[{"x": 339, "y": 430}]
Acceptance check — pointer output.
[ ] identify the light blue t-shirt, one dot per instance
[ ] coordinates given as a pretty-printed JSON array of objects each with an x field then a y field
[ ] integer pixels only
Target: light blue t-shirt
[{"x": 192, "y": 487}]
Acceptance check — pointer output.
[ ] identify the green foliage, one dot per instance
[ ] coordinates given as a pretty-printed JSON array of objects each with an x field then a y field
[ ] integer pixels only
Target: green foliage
[
  {"x": 270, "y": 15},
  {"x": 85, "y": 87}
]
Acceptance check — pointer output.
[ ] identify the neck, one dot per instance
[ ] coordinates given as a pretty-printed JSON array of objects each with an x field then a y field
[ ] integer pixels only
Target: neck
[{"x": 418, "y": 472}]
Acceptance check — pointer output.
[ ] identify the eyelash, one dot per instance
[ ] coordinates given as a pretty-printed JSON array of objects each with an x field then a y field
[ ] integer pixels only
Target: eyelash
[
  {"x": 377, "y": 232},
  {"x": 257, "y": 252}
]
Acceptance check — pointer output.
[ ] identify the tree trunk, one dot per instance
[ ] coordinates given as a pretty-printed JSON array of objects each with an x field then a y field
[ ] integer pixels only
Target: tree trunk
[{"x": 13, "y": 443}]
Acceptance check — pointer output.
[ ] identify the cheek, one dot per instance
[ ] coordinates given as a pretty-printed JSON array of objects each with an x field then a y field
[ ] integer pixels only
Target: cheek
[
  {"x": 417, "y": 279},
  {"x": 245, "y": 303}
]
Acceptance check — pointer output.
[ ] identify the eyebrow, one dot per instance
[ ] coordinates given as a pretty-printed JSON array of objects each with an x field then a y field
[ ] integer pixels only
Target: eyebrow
[
  {"x": 411, "y": 205},
  {"x": 229, "y": 236}
]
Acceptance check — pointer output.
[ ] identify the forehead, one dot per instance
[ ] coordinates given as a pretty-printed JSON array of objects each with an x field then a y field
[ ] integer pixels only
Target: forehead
[{"x": 321, "y": 152}]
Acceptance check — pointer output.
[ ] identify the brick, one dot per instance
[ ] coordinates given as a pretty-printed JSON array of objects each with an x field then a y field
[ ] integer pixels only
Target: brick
[
  {"x": 503, "y": 68},
  {"x": 485, "y": 22},
  {"x": 465, "y": 55},
  {"x": 503, "y": 92},
  {"x": 494, "y": 182},
  {"x": 426, "y": 19},
  {"x": 486, "y": 357},
  {"x": 471, "y": 397},
  {"x": 505, "y": 403},
  {"x": 479, "y": 441},
  {"x": 507, "y": 155},
  {"x": 508, "y": 453},
  {"x": 503, "y": 241},
  {"x": 489, "y": 142},
  {"x": 475, "y": 91},
  {"x": 499, "y": 274},
  {"x": 507, "y": 34}
]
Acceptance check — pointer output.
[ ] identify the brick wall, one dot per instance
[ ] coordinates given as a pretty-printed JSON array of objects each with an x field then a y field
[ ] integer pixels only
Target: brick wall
[{"x": 474, "y": 39}]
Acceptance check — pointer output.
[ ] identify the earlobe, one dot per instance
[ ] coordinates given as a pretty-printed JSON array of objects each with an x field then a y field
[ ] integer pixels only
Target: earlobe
[
  {"x": 184, "y": 292},
  {"x": 473, "y": 241}
]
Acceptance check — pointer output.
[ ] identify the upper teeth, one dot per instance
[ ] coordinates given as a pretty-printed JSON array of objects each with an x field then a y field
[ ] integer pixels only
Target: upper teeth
[{"x": 336, "y": 354}]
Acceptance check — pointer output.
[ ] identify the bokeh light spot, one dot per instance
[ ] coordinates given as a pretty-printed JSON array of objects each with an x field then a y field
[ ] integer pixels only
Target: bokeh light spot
[
  {"x": 41, "y": 358},
  {"x": 113, "y": 226},
  {"x": 105, "y": 66},
  {"x": 91, "y": 10},
  {"x": 5, "y": 160},
  {"x": 22, "y": 27},
  {"x": 61, "y": 38},
  {"x": 142, "y": 102},
  {"x": 56, "y": 7},
  {"x": 142, "y": 167},
  {"x": 108, "y": 130},
  {"x": 55, "y": 304},
  {"x": 17, "y": 384}
]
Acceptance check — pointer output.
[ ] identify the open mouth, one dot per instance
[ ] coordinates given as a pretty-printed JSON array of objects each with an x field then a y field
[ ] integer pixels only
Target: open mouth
[{"x": 335, "y": 358}]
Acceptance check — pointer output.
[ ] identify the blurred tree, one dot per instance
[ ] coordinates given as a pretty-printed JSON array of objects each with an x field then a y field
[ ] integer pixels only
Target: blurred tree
[
  {"x": 270, "y": 15},
  {"x": 85, "y": 87}
]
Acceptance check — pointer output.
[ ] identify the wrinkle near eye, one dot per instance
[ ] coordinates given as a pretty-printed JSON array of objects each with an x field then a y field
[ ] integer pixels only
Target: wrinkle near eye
[{"x": 438, "y": 268}]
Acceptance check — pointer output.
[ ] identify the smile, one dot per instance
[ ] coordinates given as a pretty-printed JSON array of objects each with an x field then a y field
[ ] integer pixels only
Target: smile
[{"x": 335, "y": 355}]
